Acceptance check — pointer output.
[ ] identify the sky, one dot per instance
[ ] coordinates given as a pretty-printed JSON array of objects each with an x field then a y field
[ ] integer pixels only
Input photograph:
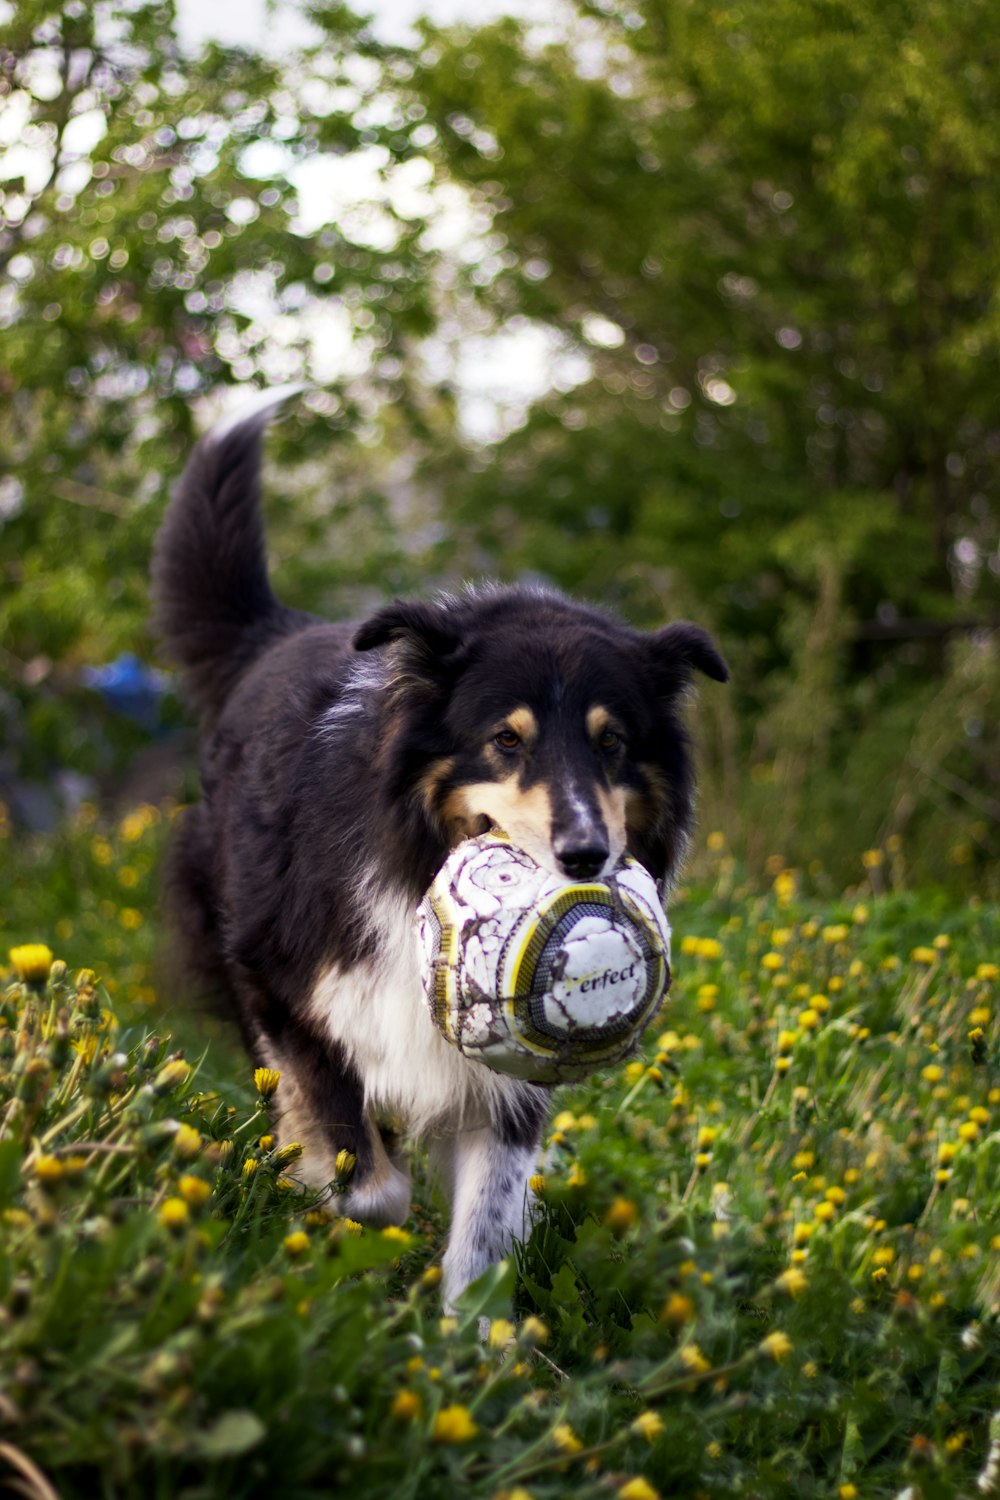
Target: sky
[{"x": 496, "y": 377}]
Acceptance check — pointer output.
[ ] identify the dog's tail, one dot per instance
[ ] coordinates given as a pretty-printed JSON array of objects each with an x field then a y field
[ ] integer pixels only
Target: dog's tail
[{"x": 213, "y": 607}]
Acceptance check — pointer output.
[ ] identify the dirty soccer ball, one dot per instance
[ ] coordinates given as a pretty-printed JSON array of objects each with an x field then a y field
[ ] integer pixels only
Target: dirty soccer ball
[{"x": 545, "y": 978}]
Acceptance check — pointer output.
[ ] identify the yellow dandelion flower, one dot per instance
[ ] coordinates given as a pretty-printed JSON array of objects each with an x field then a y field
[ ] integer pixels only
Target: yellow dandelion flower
[
  {"x": 692, "y": 1359},
  {"x": 988, "y": 971},
  {"x": 884, "y": 1256},
  {"x": 932, "y": 1073},
  {"x": 782, "y": 1065},
  {"x": 194, "y": 1190},
  {"x": 565, "y": 1438},
  {"x": 285, "y": 1155},
  {"x": 48, "y": 1169},
  {"x": 32, "y": 963},
  {"x": 171, "y": 1076},
  {"x": 824, "y": 1212},
  {"x": 537, "y": 1183},
  {"x": 968, "y": 1130},
  {"x": 405, "y": 1406},
  {"x": 249, "y": 1167},
  {"x": 395, "y": 1232},
  {"x": 502, "y": 1333},
  {"x": 173, "y": 1214},
  {"x": 715, "y": 841},
  {"x": 648, "y": 1425},
  {"x": 265, "y": 1081},
  {"x": 186, "y": 1143},
  {"x": 923, "y": 955},
  {"x": 709, "y": 948},
  {"x": 802, "y": 1233},
  {"x": 534, "y": 1331},
  {"x": 835, "y": 933},
  {"x": 808, "y": 1019},
  {"x": 621, "y": 1215},
  {"x": 577, "y": 1177},
  {"x": 453, "y": 1424},
  {"x": 296, "y": 1243},
  {"x": 776, "y": 1346},
  {"x": 772, "y": 961},
  {"x": 638, "y": 1489},
  {"x": 793, "y": 1282},
  {"x": 847, "y": 1492}
]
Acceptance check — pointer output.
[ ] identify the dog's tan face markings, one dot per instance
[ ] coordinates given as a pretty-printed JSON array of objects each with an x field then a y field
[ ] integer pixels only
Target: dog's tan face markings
[{"x": 525, "y": 814}]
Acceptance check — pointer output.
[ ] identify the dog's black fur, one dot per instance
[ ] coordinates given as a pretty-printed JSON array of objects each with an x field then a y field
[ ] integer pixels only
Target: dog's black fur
[{"x": 340, "y": 763}]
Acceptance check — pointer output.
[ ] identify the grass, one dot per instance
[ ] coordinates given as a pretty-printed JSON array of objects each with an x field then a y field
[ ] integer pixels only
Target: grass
[{"x": 766, "y": 1259}]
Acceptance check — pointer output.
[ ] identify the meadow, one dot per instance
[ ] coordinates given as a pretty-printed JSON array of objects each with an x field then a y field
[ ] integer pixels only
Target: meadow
[{"x": 765, "y": 1259}]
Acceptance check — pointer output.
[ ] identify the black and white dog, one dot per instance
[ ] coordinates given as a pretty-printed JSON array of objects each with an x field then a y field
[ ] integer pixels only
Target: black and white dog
[{"x": 340, "y": 763}]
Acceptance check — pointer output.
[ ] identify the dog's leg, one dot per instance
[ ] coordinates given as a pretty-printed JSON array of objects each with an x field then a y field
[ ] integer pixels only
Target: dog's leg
[
  {"x": 488, "y": 1171},
  {"x": 321, "y": 1106}
]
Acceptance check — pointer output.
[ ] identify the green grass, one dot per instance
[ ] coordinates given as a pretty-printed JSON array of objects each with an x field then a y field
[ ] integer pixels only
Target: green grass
[{"x": 766, "y": 1261}]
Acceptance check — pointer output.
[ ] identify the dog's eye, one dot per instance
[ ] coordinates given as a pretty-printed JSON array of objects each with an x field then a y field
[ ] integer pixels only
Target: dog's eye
[
  {"x": 507, "y": 739},
  {"x": 609, "y": 739}
]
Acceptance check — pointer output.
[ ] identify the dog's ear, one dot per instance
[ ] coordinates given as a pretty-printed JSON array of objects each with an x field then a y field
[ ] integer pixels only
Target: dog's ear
[
  {"x": 428, "y": 627},
  {"x": 681, "y": 649}
]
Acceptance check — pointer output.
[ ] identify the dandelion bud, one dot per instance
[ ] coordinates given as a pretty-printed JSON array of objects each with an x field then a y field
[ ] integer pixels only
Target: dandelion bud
[
  {"x": 172, "y": 1075},
  {"x": 346, "y": 1162},
  {"x": 265, "y": 1081},
  {"x": 58, "y": 972},
  {"x": 285, "y": 1155},
  {"x": 194, "y": 1190},
  {"x": 249, "y": 1168},
  {"x": 297, "y": 1243}
]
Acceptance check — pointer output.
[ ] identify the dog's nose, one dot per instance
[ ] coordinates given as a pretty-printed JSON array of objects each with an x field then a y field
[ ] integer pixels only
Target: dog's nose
[{"x": 582, "y": 861}]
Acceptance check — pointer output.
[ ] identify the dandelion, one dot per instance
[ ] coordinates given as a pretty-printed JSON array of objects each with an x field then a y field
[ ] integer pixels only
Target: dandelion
[
  {"x": 692, "y": 1359},
  {"x": 453, "y": 1424},
  {"x": 502, "y": 1333},
  {"x": 621, "y": 1216},
  {"x": 173, "y": 1214},
  {"x": 285, "y": 1155},
  {"x": 988, "y": 971},
  {"x": 776, "y": 1346},
  {"x": 709, "y": 948},
  {"x": 537, "y": 1183},
  {"x": 835, "y": 933},
  {"x": 48, "y": 1169},
  {"x": 565, "y": 1438},
  {"x": 186, "y": 1143},
  {"x": 648, "y": 1425},
  {"x": 265, "y": 1081},
  {"x": 782, "y": 1065},
  {"x": 32, "y": 963},
  {"x": 824, "y": 1212},
  {"x": 793, "y": 1282},
  {"x": 847, "y": 1492},
  {"x": 405, "y": 1406},
  {"x": 534, "y": 1331},
  {"x": 772, "y": 961},
  {"x": 345, "y": 1163},
  {"x": 577, "y": 1177},
  {"x": 968, "y": 1130},
  {"x": 194, "y": 1190},
  {"x": 249, "y": 1168},
  {"x": 394, "y": 1232},
  {"x": 171, "y": 1076},
  {"x": 638, "y": 1489},
  {"x": 808, "y": 1019},
  {"x": 296, "y": 1243},
  {"x": 923, "y": 955}
]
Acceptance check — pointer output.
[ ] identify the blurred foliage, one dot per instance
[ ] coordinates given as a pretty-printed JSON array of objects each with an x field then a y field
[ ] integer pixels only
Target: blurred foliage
[{"x": 763, "y": 241}]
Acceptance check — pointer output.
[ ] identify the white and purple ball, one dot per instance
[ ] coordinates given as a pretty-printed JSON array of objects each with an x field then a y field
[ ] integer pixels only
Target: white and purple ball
[{"x": 541, "y": 977}]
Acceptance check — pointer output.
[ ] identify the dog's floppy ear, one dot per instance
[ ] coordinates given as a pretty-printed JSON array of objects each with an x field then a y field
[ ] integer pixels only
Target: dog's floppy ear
[
  {"x": 681, "y": 649},
  {"x": 427, "y": 626}
]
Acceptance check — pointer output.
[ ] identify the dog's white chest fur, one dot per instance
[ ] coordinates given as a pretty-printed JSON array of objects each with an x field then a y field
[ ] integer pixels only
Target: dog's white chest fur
[{"x": 377, "y": 1012}]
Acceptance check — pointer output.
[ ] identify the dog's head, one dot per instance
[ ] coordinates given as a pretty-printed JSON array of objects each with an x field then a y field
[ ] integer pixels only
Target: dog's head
[{"x": 518, "y": 709}]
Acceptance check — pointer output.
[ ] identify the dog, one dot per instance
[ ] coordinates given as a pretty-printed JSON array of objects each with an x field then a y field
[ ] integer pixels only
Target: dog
[{"x": 340, "y": 762}]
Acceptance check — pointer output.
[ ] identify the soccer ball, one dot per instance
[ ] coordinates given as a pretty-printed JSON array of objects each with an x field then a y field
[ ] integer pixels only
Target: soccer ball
[{"x": 545, "y": 978}]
